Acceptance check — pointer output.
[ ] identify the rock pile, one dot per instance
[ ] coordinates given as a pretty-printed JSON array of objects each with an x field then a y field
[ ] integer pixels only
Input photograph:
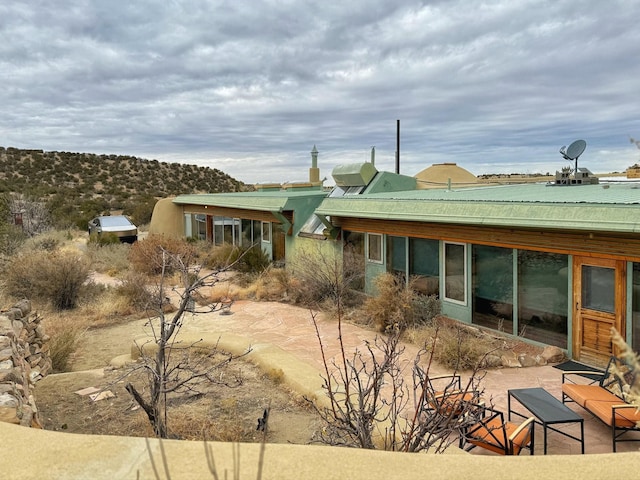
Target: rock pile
[{"x": 24, "y": 359}]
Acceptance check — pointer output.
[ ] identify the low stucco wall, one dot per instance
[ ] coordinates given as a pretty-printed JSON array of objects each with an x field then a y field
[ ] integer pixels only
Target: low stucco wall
[
  {"x": 37, "y": 454},
  {"x": 71, "y": 456}
]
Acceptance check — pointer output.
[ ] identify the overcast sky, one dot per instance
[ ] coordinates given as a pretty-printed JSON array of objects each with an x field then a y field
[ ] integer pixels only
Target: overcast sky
[{"x": 249, "y": 87}]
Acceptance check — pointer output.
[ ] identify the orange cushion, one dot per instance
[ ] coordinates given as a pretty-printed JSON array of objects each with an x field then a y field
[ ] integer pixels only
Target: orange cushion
[
  {"x": 625, "y": 417},
  {"x": 451, "y": 403},
  {"x": 582, "y": 393},
  {"x": 493, "y": 436}
]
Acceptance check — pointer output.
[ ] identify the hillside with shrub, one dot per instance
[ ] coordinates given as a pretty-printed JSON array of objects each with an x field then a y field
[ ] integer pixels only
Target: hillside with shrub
[{"x": 74, "y": 187}]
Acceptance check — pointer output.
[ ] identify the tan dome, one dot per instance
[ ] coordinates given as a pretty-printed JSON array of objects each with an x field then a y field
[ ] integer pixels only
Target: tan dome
[{"x": 439, "y": 175}]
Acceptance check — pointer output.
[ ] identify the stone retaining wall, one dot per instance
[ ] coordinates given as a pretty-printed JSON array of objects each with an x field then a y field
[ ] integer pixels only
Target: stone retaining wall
[{"x": 24, "y": 359}]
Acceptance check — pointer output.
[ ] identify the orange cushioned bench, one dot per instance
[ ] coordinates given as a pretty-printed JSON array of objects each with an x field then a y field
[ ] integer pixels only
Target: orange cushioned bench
[{"x": 599, "y": 399}]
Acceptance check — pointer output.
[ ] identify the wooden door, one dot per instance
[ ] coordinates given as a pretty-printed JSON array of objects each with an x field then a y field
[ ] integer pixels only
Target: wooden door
[
  {"x": 278, "y": 243},
  {"x": 599, "y": 296}
]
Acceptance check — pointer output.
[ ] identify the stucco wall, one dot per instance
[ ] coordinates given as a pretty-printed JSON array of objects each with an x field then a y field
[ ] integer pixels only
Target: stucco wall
[{"x": 167, "y": 219}]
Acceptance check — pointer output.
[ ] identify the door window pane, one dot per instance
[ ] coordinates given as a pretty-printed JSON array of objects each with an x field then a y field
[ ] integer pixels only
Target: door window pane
[
  {"x": 598, "y": 288},
  {"x": 493, "y": 287},
  {"x": 543, "y": 297},
  {"x": 454, "y": 271}
]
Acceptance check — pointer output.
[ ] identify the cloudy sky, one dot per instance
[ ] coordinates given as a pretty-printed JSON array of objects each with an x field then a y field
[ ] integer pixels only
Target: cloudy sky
[{"x": 249, "y": 86}]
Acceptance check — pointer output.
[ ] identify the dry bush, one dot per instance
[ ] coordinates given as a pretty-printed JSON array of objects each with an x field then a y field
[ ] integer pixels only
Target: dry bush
[
  {"x": 319, "y": 275},
  {"x": 133, "y": 289},
  {"x": 459, "y": 348},
  {"x": 65, "y": 338},
  {"x": 149, "y": 256},
  {"x": 220, "y": 257},
  {"x": 397, "y": 305},
  {"x": 59, "y": 277},
  {"x": 111, "y": 259},
  {"x": 272, "y": 284}
]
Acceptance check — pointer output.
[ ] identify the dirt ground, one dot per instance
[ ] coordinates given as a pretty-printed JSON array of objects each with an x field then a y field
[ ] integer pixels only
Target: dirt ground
[{"x": 219, "y": 413}]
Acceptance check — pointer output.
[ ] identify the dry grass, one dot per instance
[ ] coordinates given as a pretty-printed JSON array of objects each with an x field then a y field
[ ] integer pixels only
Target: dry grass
[{"x": 65, "y": 335}]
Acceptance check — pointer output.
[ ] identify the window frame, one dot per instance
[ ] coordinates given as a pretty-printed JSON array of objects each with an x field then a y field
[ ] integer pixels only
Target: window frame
[
  {"x": 266, "y": 232},
  {"x": 380, "y": 252},
  {"x": 465, "y": 274}
]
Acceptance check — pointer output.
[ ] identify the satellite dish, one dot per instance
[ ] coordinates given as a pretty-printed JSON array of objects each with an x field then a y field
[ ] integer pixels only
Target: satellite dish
[{"x": 574, "y": 150}]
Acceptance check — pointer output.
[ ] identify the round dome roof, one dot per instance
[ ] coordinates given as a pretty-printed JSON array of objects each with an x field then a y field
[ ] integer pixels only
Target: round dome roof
[{"x": 439, "y": 175}]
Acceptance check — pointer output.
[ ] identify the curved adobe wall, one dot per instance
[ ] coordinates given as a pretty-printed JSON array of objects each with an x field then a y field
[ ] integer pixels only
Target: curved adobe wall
[{"x": 24, "y": 359}]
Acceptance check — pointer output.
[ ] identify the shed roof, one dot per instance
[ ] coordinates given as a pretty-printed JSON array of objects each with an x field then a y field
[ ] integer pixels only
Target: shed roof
[{"x": 266, "y": 201}]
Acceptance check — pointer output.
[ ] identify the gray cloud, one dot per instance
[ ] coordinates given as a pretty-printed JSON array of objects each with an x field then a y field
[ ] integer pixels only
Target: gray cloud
[{"x": 250, "y": 87}]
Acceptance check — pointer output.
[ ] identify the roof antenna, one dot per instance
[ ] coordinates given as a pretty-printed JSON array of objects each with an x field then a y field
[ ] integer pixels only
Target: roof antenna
[{"x": 398, "y": 147}]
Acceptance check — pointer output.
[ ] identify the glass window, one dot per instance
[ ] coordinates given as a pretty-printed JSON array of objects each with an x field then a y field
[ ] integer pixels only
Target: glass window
[
  {"x": 374, "y": 251},
  {"x": 397, "y": 253},
  {"x": 266, "y": 232},
  {"x": 598, "y": 288},
  {"x": 256, "y": 232},
  {"x": 543, "y": 297},
  {"x": 493, "y": 287},
  {"x": 201, "y": 226},
  {"x": 236, "y": 232},
  {"x": 247, "y": 227},
  {"x": 455, "y": 272},
  {"x": 218, "y": 230},
  {"x": 188, "y": 225},
  {"x": 424, "y": 265},
  {"x": 635, "y": 305}
]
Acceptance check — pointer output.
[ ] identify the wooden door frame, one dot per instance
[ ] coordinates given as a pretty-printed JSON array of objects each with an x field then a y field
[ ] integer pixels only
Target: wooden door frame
[{"x": 620, "y": 300}]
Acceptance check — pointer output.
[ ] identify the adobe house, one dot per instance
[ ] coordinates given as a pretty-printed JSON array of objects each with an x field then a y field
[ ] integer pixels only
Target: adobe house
[{"x": 555, "y": 263}]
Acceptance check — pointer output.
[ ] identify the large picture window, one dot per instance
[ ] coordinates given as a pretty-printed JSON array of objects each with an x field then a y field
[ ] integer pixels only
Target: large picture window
[
  {"x": 543, "y": 297},
  {"x": 374, "y": 249},
  {"x": 493, "y": 287},
  {"x": 424, "y": 265},
  {"x": 455, "y": 272}
]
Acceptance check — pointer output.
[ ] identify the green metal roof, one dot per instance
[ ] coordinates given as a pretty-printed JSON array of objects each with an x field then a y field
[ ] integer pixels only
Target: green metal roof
[
  {"x": 604, "y": 207},
  {"x": 269, "y": 201}
]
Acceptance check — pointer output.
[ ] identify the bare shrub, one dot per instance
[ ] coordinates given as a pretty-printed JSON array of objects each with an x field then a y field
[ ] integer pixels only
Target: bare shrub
[
  {"x": 170, "y": 368},
  {"x": 57, "y": 276},
  {"x": 147, "y": 256},
  {"x": 372, "y": 406}
]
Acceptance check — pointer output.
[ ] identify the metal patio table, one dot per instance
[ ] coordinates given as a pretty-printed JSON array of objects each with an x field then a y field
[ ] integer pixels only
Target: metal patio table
[{"x": 548, "y": 411}]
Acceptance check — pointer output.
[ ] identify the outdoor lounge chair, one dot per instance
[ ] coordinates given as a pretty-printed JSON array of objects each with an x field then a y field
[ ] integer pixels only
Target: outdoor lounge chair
[
  {"x": 444, "y": 394},
  {"x": 492, "y": 433}
]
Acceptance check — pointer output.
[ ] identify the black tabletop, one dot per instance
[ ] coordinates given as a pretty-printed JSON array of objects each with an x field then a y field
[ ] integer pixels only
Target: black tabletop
[{"x": 544, "y": 406}]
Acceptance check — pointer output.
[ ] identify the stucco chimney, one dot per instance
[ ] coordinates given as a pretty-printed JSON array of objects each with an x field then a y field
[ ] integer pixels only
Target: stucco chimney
[{"x": 314, "y": 171}]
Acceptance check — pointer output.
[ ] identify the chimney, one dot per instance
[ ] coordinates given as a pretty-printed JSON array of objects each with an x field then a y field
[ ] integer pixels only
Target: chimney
[
  {"x": 373, "y": 155},
  {"x": 314, "y": 171}
]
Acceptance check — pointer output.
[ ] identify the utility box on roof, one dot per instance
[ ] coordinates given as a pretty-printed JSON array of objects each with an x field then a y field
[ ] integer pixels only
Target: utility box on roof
[{"x": 354, "y": 174}]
